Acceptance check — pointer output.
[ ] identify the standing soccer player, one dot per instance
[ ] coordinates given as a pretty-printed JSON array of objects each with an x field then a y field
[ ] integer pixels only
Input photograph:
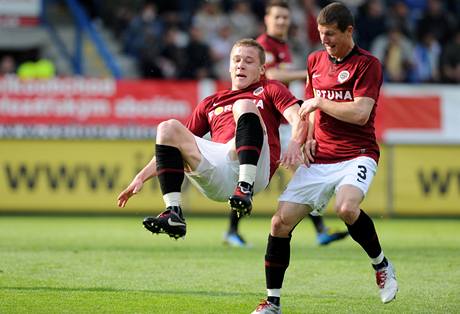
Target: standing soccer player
[
  {"x": 343, "y": 89},
  {"x": 278, "y": 66},
  {"x": 244, "y": 149}
]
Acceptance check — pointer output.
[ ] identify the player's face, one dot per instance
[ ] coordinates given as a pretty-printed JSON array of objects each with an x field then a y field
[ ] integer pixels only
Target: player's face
[
  {"x": 245, "y": 66},
  {"x": 336, "y": 42},
  {"x": 277, "y": 22}
]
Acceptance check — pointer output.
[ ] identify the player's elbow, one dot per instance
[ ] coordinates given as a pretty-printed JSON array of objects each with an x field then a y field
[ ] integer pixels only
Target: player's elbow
[{"x": 362, "y": 120}]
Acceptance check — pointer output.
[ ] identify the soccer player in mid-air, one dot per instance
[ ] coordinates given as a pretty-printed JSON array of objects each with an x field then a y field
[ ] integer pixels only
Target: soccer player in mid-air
[
  {"x": 278, "y": 66},
  {"x": 244, "y": 150},
  {"x": 344, "y": 85}
]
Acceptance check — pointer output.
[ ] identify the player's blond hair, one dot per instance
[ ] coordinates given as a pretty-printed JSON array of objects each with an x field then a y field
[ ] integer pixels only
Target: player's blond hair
[{"x": 249, "y": 42}]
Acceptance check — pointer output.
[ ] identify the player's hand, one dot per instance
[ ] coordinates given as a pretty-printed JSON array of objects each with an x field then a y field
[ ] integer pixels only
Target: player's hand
[
  {"x": 309, "y": 151},
  {"x": 308, "y": 106},
  {"x": 134, "y": 187},
  {"x": 293, "y": 157}
]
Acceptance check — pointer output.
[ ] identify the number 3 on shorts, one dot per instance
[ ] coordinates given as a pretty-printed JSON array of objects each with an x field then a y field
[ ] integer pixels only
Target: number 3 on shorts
[{"x": 362, "y": 171}]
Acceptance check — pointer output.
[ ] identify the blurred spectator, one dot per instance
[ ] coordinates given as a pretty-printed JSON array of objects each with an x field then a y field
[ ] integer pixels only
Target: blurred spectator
[
  {"x": 171, "y": 55},
  {"x": 311, "y": 13},
  {"x": 147, "y": 25},
  {"x": 416, "y": 8},
  {"x": 426, "y": 59},
  {"x": 148, "y": 57},
  {"x": 121, "y": 20},
  {"x": 298, "y": 47},
  {"x": 370, "y": 22},
  {"x": 208, "y": 19},
  {"x": 297, "y": 34},
  {"x": 399, "y": 16},
  {"x": 450, "y": 60},
  {"x": 198, "y": 60},
  {"x": 242, "y": 20},
  {"x": 395, "y": 53},
  {"x": 220, "y": 49},
  {"x": 436, "y": 20},
  {"x": 7, "y": 65},
  {"x": 92, "y": 8},
  {"x": 42, "y": 69},
  {"x": 354, "y": 5}
]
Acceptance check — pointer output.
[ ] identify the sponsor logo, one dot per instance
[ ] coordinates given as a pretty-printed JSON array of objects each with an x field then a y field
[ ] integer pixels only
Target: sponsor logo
[
  {"x": 343, "y": 76},
  {"x": 258, "y": 91},
  {"x": 334, "y": 94},
  {"x": 174, "y": 224},
  {"x": 315, "y": 75},
  {"x": 228, "y": 108}
]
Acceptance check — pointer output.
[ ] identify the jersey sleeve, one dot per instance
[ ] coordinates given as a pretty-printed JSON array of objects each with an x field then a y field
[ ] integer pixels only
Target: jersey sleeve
[
  {"x": 198, "y": 122},
  {"x": 281, "y": 96},
  {"x": 369, "y": 80},
  {"x": 270, "y": 59}
]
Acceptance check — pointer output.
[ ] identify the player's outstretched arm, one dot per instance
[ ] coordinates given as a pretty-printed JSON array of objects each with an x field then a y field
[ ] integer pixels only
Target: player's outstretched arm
[
  {"x": 309, "y": 149},
  {"x": 355, "y": 112},
  {"x": 136, "y": 185},
  {"x": 285, "y": 75},
  {"x": 293, "y": 155}
]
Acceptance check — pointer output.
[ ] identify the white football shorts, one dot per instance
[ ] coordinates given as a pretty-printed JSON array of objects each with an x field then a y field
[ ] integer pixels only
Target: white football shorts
[
  {"x": 315, "y": 186},
  {"x": 217, "y": 174}
]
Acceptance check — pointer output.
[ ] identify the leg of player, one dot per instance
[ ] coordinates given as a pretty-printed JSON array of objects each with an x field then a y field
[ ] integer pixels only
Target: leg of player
[
  {"x": 173, "y": 143},
  {"x": 232, "y": 236},
  {"x": 249, "y": 139},
  {"x": 362, "y": 230},
  {"x": 278, "y": 253},
  {"x": 324, "y": 235}
]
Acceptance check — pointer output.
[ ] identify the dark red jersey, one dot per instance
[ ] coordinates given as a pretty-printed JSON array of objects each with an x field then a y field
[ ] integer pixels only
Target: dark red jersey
[
  {"x": 277, "y": 54},
  {"x": 359, "y": 74},
  {"x": 214, "y": 113}
]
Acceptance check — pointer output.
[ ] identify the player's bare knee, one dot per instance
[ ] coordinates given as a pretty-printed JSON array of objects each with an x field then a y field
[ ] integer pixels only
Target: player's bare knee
[
  {"x": 167, "y": 131},
  {"x": 279, "y": 227},
  {"x": 347, "y": 212},
  {"x": 244, "y": 105}
]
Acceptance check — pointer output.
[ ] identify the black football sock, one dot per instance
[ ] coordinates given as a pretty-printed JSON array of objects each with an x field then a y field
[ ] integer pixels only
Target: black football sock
[
  {"x": 249, "y": 138},
  {"x": 170, "y": 168},
  {"x": 276, "y": 261},
  {"x": 234, "y": 220},
  {"x": 363, "y": 232},
  {"x": 318, "y": 222}
]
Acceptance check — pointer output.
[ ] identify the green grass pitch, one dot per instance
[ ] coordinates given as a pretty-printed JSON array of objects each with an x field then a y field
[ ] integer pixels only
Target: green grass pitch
[{"x": 113, "y": 265}]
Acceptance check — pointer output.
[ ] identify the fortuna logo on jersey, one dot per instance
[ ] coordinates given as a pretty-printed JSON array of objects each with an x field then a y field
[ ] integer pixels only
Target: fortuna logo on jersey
[
  {"x": 334, "y": 94},
  {"x": 228, "y": 108},
  {"x": 343, "y": 76}
]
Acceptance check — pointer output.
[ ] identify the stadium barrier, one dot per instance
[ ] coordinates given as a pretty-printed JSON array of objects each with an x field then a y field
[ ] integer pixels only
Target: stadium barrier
[{"x": 71, "y": 145}]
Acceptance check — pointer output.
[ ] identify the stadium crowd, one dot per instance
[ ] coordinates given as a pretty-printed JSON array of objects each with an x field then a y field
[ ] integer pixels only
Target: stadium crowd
[{"x": 417, "y": 41}]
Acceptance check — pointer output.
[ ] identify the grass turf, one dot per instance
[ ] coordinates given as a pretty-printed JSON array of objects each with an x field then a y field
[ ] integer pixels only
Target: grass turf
[{"x": 113, "y": 265}]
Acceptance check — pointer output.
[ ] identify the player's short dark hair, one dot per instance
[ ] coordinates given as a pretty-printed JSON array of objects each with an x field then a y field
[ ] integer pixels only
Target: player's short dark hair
[
  {"x": 249, "y": 42},
  {"x": 336, "y": 12},
  {"x": 276, "y": 3}
]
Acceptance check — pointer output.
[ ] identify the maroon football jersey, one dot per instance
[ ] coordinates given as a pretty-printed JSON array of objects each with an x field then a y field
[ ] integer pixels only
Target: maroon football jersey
[
  {"x": 277, "y": 54},
  {"x": 214, "y": 113},
  {"x": 359, "y": 74}
]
